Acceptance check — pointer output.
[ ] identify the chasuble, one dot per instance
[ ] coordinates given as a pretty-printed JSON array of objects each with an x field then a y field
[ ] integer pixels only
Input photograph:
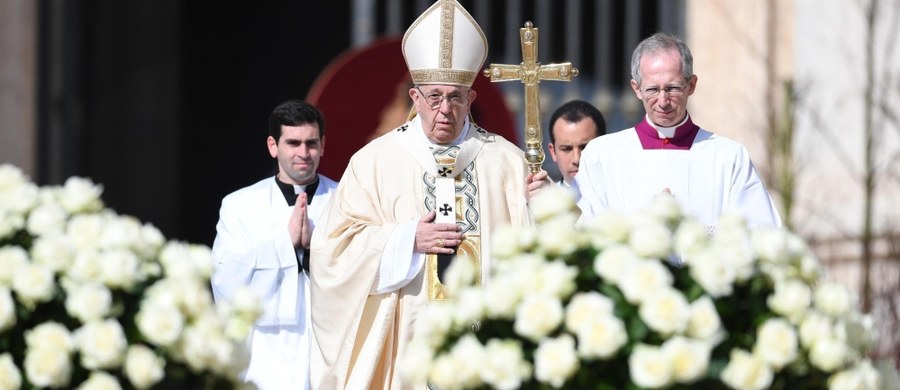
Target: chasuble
[{"x": 364, "y": 313}]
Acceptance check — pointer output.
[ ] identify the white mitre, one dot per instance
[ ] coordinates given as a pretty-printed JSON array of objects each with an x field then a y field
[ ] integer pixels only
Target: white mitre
[{"x": 444, "y": 46}]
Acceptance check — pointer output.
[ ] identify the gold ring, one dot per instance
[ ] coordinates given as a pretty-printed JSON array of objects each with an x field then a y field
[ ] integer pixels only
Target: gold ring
[{"x": 440, "y": 243}]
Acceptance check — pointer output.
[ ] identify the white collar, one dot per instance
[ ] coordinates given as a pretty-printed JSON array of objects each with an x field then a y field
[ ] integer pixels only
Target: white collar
[{"x": 666, "y": 132}]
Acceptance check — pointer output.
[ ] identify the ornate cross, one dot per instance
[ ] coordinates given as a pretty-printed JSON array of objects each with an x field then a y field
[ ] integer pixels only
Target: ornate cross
[{"x": 531, "y": 72}]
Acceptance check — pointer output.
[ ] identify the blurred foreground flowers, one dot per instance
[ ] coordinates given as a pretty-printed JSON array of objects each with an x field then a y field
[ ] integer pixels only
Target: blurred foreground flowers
[
  {"x": 648, "y": 301},
  {"x": 92, "y": 299}
]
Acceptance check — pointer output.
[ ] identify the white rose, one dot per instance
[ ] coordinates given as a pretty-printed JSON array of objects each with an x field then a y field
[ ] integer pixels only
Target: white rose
[
  {"x": 585, "y": 307},
  {"x": 33, "y": 284},
  {"x": 86, "y": 267},
  {"x": 416, "y": 360},
  {"x": 558, "y": 237},
  {"x": 863, "y": 376},
  {"x": 20, "y": 199},
  {"x": 119, "y": 269},
  {"x": 84, "y": 230},
  {"x": 10, "y": 376},
  {"x": 555, "y": 360},
  {"x": 48, "y": 367},
  {"x": 776, "y": 343},
  {"x": 10, "y": 222},
  {"x": 556, "y": 279},
  {"x": 143, "y": 367},
  {"x": 690, "y": 238},
  {"x": 601, "y": 336},
  {"x": 7, "y": 309},
  {"x": 120, "y": 232},
  {"x": 736, "y": 254},
  {"x": 608, "y": 228},
  {"x": 53, "y": 251},
  {"x": 649, "y": 366},
  {"x": 151, "y": 242},
  {"x": 502, "y": 297},
  {"x": 469, "y": 308},
  {"x": 470, "y": 353},
  {"x": 834, "y": 299},
  {"x": 11, "y": 176},
  {"x": 205, "y": 349},
  {"x": 746, "y": 371},
  {"x": 504, "y": 366},
  {"x": 88, "y": 301},
  {"x": 50, "y": 335},
  {"x": 444, "y": 372},
  {"x": 713, "y": 273},
  {"x": 242, "y": 309},
  {"x": 46, "y": 219},
  {"x": 791, "y": 299},
  {"x": 690, "y": 358},
  {"x": 160, "y": 324},
  {"x": 642, "y": 278},
  {"x": 196, "y": 348},
  {"x": 665, "y": 208},
  {"x": 102, "y": 344},
  {"x": 461, "y": 273},
  {"x": 666, "y": 311},
  {"x": 551, "y": 202},
  {"x": 80, "y": 195},
  {"x": 705, "y": 323},
  {"x": 810, "y": 268},
  {"x": 194, "y": 296},
  {"x": 100, "y": 380},
  {"x": 11, "y": 259},
  {"x": 828, "y": 354},
  {"x": 186, "y": 260},
  {"x": 771, "y": 245},
  {"x": 434, "y": 326},
  {"x": 612, "y": 262},
  {"x": 510, "y": 240},
  {"x": 650, "y": 238},
  {"x": 815, "y": 326},
  {"x": 857, "y": 331},
  {"x": 537, "y": 316}
]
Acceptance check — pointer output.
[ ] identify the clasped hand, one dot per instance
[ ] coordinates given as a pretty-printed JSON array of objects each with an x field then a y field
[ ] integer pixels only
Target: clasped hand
[
  {"x": 299, "y": 226},
  {"x": 441, "y": 238}
]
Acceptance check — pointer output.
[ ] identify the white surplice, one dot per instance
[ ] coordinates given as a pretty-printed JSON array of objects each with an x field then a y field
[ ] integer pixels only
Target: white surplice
[
  {"x": 253, "y": 248},
  {"x": 713, "y": 176}
]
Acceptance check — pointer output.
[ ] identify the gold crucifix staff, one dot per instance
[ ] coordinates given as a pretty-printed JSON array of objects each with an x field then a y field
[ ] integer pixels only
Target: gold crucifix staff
[{"x": 531, "y": 72}]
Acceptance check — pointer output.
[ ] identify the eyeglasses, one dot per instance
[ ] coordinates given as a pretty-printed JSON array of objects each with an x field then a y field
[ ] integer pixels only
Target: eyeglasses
[
  {"x": 434, "y": 99},
  {"x": 675, "y": 90}
]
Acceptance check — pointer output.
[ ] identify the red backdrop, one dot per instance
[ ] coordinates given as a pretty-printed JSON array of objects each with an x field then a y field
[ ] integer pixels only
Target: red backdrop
[{"x": 364, "y": 93}]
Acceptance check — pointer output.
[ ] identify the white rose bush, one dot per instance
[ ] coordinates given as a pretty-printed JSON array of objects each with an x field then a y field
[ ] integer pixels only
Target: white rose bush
[
  {"x": 92, "y": 299},
  {"x": 655, "y": 300}
]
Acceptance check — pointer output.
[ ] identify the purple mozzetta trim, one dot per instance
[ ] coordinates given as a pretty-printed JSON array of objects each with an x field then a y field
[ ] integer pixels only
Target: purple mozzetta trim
[{"x": 683, "y": 139}]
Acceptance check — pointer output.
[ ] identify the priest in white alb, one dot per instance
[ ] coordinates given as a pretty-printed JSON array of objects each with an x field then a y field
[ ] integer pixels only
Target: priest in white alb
[
  {"x": 666, "y": 152},
  {"x": 410, "y": 202}
]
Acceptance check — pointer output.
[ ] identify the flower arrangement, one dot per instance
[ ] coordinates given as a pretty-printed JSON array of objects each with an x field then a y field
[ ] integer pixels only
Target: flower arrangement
[
  {"x": 92, "y": 299},
  {"x": 649, "y": 301}
]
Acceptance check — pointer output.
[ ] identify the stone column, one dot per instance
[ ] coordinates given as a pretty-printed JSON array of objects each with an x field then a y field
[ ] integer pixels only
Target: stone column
[{"x": 18, "y": 42}]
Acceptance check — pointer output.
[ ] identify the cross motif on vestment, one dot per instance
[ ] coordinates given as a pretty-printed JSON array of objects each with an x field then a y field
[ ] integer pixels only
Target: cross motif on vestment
[{"x": 445, "y": 209}]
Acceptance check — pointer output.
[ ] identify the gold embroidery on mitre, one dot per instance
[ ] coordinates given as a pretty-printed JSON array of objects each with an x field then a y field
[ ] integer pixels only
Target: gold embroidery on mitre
[
  {"x": 446, "y": 52},
  {"x": 443, "y": 76}
]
